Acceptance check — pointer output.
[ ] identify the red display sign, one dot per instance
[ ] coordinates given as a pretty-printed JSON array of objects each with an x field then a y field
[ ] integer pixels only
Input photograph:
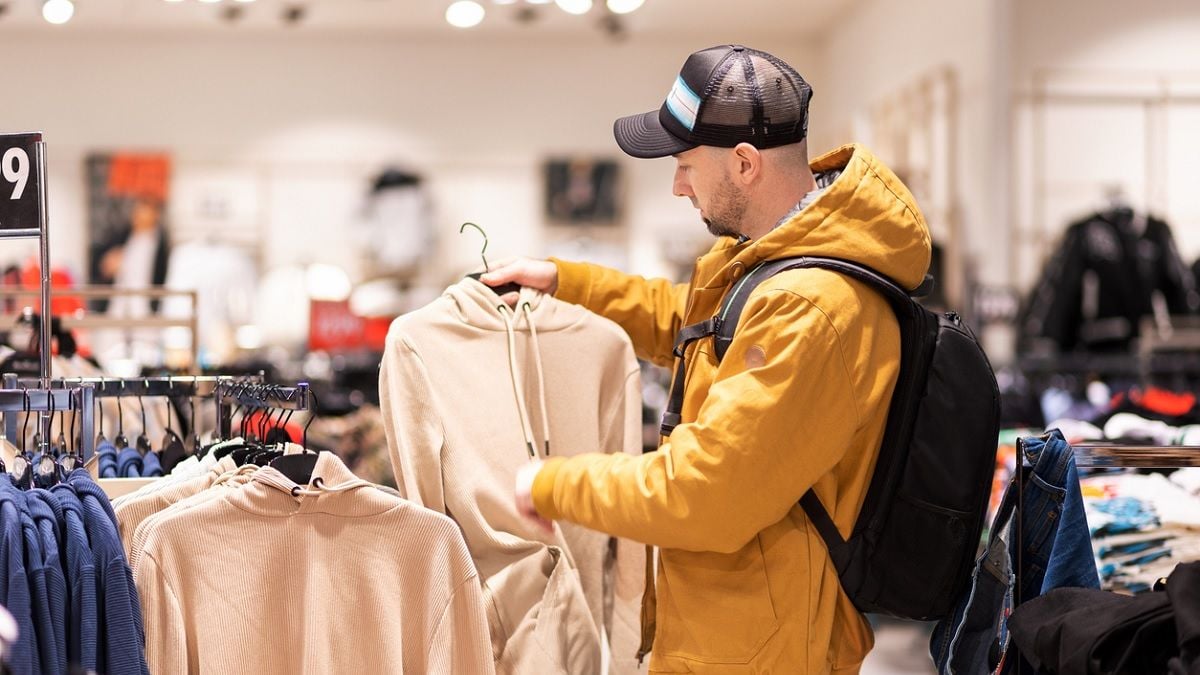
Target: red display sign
[{"x": 332, "y": 327}]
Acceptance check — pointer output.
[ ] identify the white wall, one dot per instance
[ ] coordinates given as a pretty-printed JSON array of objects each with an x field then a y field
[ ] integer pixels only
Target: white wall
[
  {"x": 1147, "y": 145},
  {"x": 882, "y": 47},
  {"x": 309, "y": 119}
]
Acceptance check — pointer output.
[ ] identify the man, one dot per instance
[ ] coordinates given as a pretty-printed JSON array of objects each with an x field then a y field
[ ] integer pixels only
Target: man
[{"x": 744, "y": 584}]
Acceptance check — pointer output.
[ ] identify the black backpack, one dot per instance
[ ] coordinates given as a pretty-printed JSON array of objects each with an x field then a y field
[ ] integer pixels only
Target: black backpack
[{"x": 912, "y": 548}]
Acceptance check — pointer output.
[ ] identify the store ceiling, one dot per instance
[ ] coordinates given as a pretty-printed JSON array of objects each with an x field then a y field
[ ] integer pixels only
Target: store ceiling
[{"x": 801, "y": 18}]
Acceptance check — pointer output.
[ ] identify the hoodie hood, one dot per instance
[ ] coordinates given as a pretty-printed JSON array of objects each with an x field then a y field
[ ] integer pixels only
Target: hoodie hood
[
  {"x": 866, "y": 216},
  {"x": 477, "y": 305}
]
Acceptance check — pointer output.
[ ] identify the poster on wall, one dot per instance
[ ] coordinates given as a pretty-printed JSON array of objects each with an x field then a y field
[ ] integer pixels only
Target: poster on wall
[
  {"x": 127, "y": 238},
  {"x": 582, "y": 191}
]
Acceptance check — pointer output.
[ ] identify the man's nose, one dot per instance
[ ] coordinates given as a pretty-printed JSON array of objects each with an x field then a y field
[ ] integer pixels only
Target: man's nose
[{"x": 681, "y": 187}]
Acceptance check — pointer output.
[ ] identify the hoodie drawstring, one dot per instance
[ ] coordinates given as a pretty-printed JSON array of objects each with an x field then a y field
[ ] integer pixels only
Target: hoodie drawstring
[
  {"x": 507, "y": 314},
  {"x": 537, "y": 362}
]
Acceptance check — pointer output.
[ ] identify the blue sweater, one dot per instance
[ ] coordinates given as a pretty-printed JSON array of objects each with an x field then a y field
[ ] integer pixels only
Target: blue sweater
[
  {"x": 123, "y": 642},
  {"x": 129, "y": 463},
  {"x": 47, "y": 518},
  {"x": 14, "y": 584},
  {"x": 82, "y": 616}
]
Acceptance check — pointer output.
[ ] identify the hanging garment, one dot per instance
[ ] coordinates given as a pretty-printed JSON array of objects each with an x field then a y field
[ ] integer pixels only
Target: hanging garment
[
  {"x": 14, "y": 582},
  {"x": 1054, "y": 551},
  {"x": 471, "y": 391},
  {"x": 1074, "y": 630},
  {"x": 333, "y": 577},
  {"x": 121, "y": 643},
  {"x": 1101, "y": 281},
  {"x": 82, "y": 612},
  {"x": 48, "y": 518}
]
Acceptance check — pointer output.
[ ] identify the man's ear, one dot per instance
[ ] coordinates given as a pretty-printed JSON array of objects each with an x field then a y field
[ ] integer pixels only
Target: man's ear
[{"x": 747, "y": 163}]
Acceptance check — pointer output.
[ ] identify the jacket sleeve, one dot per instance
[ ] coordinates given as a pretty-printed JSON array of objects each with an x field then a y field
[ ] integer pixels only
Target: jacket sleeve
[
  {"x": 763, "y": 436},
  {"x": 650, "y": 310},
  {"x": 411, "y": 423}
]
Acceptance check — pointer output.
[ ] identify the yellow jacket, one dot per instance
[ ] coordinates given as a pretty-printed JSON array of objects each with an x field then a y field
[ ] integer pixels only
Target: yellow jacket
[{"x": 744, "y": 584}]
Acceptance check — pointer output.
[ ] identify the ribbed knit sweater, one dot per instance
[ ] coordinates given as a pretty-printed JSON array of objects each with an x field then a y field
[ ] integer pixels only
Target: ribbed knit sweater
[
  {"x": 468, "y": 388},
  {"x": 355, "y": 581}
]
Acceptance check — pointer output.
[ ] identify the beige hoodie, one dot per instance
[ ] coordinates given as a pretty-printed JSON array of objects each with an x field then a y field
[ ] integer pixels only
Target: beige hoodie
[
  {"x": 274, "y": 577},
  {"x": 469, "y": 390}
]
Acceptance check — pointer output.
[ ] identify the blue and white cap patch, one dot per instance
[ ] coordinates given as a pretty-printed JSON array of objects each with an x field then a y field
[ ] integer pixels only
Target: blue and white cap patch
[{"x": 683, "y": 103}]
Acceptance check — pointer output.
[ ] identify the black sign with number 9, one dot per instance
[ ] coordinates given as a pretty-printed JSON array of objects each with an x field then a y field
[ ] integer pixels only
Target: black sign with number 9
[{"x": 20, "y": 208}]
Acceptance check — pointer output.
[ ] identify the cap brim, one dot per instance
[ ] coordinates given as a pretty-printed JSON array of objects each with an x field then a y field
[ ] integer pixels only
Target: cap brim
[{"x": 644, "y": 137}]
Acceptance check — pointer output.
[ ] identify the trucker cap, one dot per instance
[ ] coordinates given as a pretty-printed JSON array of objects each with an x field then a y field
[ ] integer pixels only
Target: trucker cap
[{"x": 723, "y": 96}]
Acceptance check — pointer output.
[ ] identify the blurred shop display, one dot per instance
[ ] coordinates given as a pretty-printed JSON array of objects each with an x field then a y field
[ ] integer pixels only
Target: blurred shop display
[{"x": 582, "y": 191}]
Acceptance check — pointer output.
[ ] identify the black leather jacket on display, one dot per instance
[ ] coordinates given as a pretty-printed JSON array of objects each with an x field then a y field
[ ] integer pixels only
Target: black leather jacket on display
[{"x": 1101, "y": 281}]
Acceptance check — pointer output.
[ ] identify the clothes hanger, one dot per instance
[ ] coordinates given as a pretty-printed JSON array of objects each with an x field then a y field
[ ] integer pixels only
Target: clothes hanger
[
  {"x": 142, "y": 442},
  {"x": 299, "y": 467},
  {"x": 70, "y": 461},
  {"x": 120, "y": 441},
  {"x": 172, "y": 451},
  {"x": 45, "y": 474},
  {"x": 242, "y": 454},
  {"x": 502, "y": 288},
  {"x": 100, "y": 439},
  {"x": 194, "y": 438},
  {"x": 23, "y": 463},
  {"x": 270, "y": 449}
]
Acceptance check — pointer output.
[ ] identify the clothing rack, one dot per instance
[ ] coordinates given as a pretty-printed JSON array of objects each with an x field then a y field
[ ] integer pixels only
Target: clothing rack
[
  {"x": 258, "y": 396},
  {"x": 186, "y": 386},
  {"x": 79, "y": 399},
  {"x": 1106, "y": 455},
  {"x": 1117, "y": 455}
]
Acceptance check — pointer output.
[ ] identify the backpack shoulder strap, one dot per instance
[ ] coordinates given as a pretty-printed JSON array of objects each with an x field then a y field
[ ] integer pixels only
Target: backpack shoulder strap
[{"x": 735, "y": 301}]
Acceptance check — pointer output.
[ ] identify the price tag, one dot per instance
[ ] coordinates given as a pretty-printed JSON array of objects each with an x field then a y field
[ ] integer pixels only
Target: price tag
[{"x": 20, "y": 191}]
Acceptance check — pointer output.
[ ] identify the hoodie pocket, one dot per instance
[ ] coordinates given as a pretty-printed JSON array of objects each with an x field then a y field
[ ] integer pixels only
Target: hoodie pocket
[
  {"x": 715, "y": 607},
  {"x": 539, "y": 619}
]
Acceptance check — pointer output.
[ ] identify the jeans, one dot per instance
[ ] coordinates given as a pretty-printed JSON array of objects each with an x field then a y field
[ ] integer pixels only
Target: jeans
[{"x": 1055, "y": 550}]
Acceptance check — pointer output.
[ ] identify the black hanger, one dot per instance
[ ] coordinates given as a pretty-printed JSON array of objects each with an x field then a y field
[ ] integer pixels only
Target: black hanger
[
  {"x": 120, "y": 441},
  {"x": 172, "y": 451},
  {"x": 299, "y": 468},
  {"x": 194, "y": 438},
  {"x": 69, "y": 461},
  {"x": 100, "y": 439},
  {"x": 23, "y": 463},
  {"x": 45, "y": 474},
  {"x": 502, "y": 288},
  {"x": 142, "y": 442}
]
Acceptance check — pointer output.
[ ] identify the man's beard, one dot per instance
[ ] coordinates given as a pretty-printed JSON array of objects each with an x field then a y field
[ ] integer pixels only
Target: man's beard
[{"x": 728, "y": 209}]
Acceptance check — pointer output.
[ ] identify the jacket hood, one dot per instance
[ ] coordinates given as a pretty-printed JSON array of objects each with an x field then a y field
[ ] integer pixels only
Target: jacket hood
[{"x": 866, "y": 216}]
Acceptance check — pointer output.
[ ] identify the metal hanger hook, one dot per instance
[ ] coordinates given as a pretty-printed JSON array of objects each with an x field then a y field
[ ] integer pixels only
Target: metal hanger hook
[{"x": 482, "y": 251}]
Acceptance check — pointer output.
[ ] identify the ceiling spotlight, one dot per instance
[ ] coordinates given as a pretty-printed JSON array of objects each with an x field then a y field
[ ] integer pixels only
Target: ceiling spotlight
[
  {"x": 624, "y": 6},
  {"x": 504, "y": 2},
  {"x": 464, "y": 14},
  {"x": 58, "y": 11},
  {"x": 3, "y": 8},
  {"x": 539, "y": 2},
  {"x": 574, "y": 6},
  {"x": 232, "y": 13},
  {"x": 210, "y": 1}
]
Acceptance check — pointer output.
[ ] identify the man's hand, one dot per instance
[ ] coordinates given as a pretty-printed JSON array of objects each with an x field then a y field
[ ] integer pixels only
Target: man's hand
[
  {"x": 540, "y": 275},
  {"x": 524, "y": 496}
]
